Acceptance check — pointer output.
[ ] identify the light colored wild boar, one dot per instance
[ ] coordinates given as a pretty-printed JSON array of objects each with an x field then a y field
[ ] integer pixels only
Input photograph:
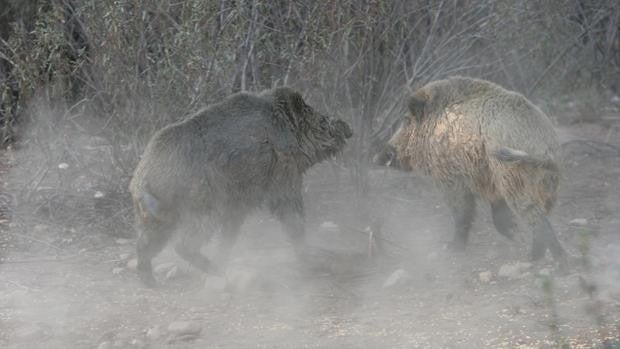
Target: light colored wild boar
[{"x": 475, "y": 137}]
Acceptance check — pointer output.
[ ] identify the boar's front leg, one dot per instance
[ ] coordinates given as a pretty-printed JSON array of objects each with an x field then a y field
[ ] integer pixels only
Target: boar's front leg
[
  {"x": 462, "y": 204},
  {"x": 290, "y": 213}
]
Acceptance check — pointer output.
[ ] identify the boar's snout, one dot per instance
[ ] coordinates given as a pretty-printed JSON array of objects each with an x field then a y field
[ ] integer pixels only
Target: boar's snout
[
  {"x": 388, "y": 157},
  {"x": 343, "y": 128},
  {"x": 385, "y": 156}
]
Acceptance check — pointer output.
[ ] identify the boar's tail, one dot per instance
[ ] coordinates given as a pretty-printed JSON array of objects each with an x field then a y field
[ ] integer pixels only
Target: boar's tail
[
  {"x": 506, "y": 154},
  {"x": 149, "y": 205}
]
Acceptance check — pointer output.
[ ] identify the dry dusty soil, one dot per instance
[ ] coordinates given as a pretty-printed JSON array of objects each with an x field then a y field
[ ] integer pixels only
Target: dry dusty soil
[{"x": 409, "y": 292}]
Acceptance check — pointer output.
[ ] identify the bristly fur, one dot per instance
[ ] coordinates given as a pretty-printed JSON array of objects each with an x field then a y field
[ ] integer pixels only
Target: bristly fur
[
  {"x": 473, "y": 136},
  {"x": 232, "y": 157}
]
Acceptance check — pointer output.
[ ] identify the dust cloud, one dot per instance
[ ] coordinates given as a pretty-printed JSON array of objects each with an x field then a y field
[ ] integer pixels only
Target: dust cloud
[{"x": 386, "y": 277}]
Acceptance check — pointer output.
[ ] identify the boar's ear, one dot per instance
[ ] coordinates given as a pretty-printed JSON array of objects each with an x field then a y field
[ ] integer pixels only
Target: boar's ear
[
  {"x": 417, "y": 104},
  {"x": 290, "y": 103}
]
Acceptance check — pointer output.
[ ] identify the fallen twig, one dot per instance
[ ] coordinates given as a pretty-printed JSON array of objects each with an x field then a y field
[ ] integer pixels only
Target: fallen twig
[
  {"x": 18, "y": 285},
  {"x": 598, "y": 146},
  {"x": 26, "y": 236}
]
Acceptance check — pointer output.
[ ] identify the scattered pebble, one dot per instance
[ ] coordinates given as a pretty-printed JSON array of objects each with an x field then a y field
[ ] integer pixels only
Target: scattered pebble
[
  {"x": 163, "y": 268},
  {"x": 117, "y": 270},
  {"x": 137, "y": 343},
  {"x": 330, "y": 226},
  {"x": 98, "y": 195},
  {"x": 153, "y": 333},
  {"x": 122, "y": 241},
  {"x": 173, "y": 273},
  {"x": 184, "y": 330},
  {"x": 580, "y": 222},
  {"x": 514, "y": 271},
  {"x": 40, "y": 228},
  {"x": 485, "y": 277},
  {"x": 544, "y": 272},
  {"x": 63, "y": 166},
  {"x": 105, "y": 345},
  {"x": 398, "y": 277},
  {"x": 184, "y": 327},
  {"x": 215, "y": 283}
]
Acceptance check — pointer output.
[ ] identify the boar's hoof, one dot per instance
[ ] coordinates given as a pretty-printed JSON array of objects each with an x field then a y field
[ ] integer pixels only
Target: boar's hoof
[
  {"x": 147, "y": 279},
  {"x": 456, "y": 245}
]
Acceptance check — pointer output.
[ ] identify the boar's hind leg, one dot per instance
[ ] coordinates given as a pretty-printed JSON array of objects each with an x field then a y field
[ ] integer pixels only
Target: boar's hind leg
[
  {"x": 193, "y": 236},
  {"x": 543, "y": 236},
  {"x": 153, "y": 236},
  {"x": 231, "y": 226},
  {"x": 503, "y": 219},
  {"x": 462, "y": 203}
]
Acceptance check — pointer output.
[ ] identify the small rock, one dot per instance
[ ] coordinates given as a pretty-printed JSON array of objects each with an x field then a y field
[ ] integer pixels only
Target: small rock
[
  {"x": 132, "y": 264},
  {"x": 580, "y": 222},
  {"x": 485, "y": 277},
  {"x": 122, "y": 241},
  {"x": 399, "y": 276},
  {"x": 137, "y": 343},
  {"x": 509, "y": 271},
  {"x": 163, "y": 268},
  {"x": 98, "y": 195},
  {"x": 124, "y": 256},
  {"x": 153, "y": 333},
  {"x": 544, "y": 272},
  {"x": 117, "y": 270},
  {"x": 63, "y": 166},
  {"x": 173, "y": 273},
  {"x": 40, "y": 228},
  {"x": 105, "y": 345},
  {"x": 514, "y": 271},
  {"x": 215, "y": 283},
  {"x": 330, "y": 226},
  {"x": 182, "y": 329}
]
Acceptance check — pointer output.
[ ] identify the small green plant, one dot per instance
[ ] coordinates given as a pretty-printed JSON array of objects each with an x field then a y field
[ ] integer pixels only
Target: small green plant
[
  {"x": 589, "y": 286},
  {"x": 554, "y": 324}
]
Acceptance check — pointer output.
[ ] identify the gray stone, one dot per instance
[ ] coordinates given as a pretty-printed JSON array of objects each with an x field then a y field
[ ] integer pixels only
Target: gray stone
[
  {"x": 580, "y": 222},
  {"x": 184, "y": 331},
  {"x": 398, "y": 277},
  {"x": 485, "y": 277},
  {"x": 513, "y": 271}
]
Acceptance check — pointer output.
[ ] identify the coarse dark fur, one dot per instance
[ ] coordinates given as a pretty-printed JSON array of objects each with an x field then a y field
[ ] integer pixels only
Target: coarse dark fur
[
  {"x": 221, "y": 163},
  {"x": 475, "y": 137}
]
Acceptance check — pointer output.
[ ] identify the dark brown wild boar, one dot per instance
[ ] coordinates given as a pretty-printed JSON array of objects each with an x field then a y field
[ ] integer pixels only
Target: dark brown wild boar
[
  {"x": 475, "y": 137},
  {"x": 245, "y": 152}
]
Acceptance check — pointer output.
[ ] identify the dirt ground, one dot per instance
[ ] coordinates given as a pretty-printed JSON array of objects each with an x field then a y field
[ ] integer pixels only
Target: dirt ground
[{"x": 86, "y": 295}]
